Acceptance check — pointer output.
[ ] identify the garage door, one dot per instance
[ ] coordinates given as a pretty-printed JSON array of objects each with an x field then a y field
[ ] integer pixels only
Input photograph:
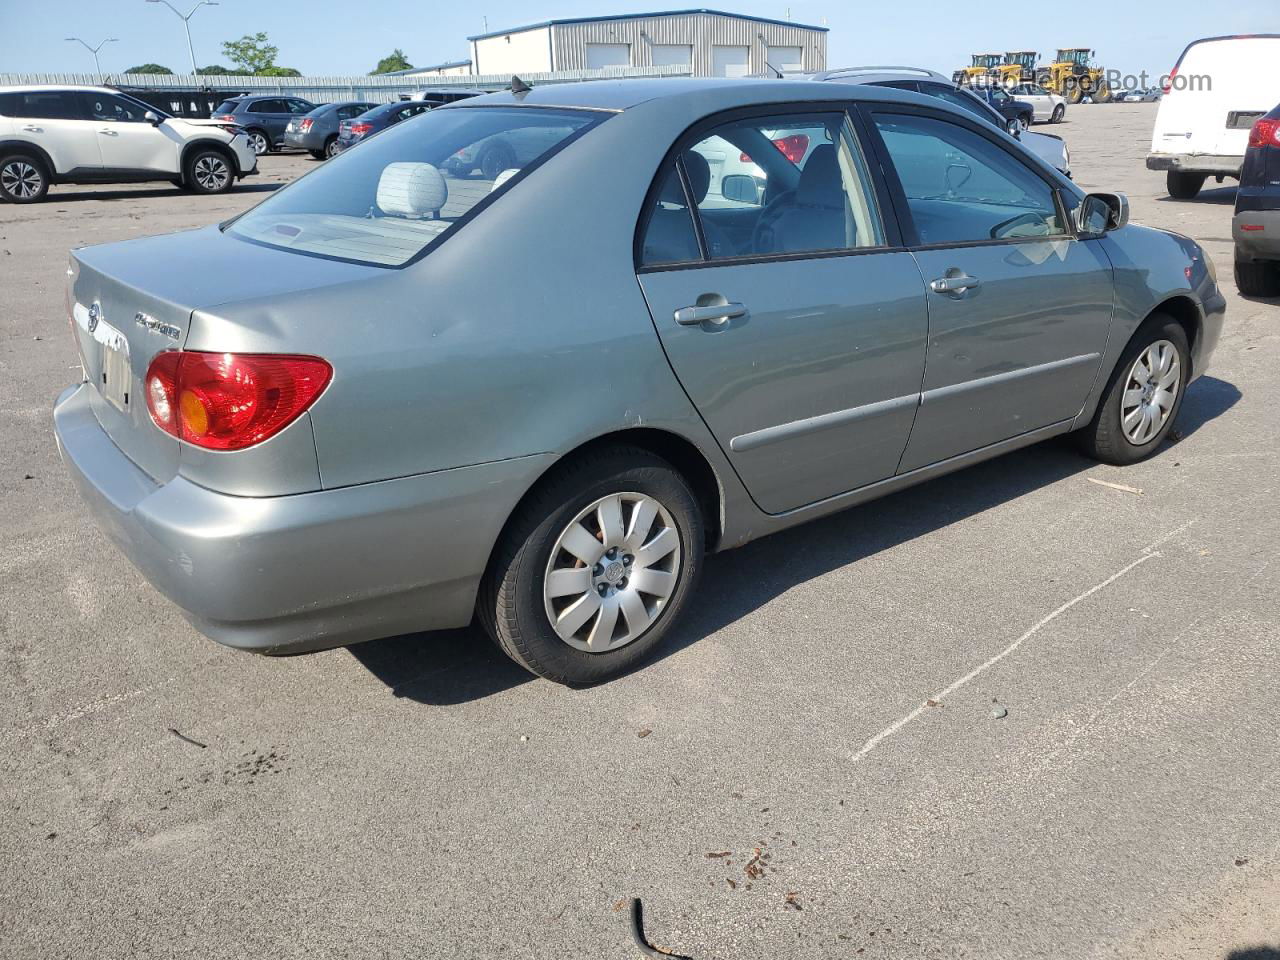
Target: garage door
[
  {"x": 672, "y": 55},
  {"x": 730, "y": 61},
  {"x": 608, "y": 55},
  {"x": 786, "y": 59}
]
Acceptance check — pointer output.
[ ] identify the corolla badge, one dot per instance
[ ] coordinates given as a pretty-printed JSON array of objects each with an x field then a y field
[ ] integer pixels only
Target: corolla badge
[
  {"x": 149, "y": 322},
  {"x": 95, "y": 315}
]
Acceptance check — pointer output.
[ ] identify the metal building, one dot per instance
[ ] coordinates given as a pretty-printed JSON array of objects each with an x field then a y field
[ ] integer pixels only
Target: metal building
[{"x": 707, "y": 43}]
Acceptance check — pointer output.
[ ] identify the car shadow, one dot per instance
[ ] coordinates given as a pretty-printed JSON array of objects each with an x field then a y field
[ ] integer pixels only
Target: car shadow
[
  {"x": 151, "y": 193},
  {"x": 1255, "y": 953},
  {"x": 458, "y": 666},
  {"x": 1217, "y": 196}
]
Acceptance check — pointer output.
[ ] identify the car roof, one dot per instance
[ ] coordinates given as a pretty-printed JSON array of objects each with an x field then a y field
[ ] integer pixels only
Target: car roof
[
  {"x": 713, "y": 93},
  {"x": 41, "y": 87}
]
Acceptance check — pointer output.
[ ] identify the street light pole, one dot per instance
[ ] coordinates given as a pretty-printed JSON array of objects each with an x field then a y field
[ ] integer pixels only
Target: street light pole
[
  {"x": 94, "y": 50},
  {"x": 186, "y": 23}
]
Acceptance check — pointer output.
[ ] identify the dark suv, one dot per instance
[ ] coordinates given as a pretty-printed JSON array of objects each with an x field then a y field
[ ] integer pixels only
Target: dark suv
[
  {"x": 1256, "y": 227},
  {"x": 264, "y": 119}
]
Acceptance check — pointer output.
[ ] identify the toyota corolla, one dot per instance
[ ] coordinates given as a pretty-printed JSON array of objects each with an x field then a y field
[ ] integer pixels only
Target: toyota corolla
[{"x": 400, "y": 393}]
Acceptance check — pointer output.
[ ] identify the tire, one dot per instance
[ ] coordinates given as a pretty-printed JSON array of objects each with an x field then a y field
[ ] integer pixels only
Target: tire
[
  {"x": 1058, "y": 113},
  {"x": 1107, "y": 437},
  {"x": 1184, "y": 186},
  {"x": 1026, "y": 120},
  {"x": 516, "y": 606},
  {"x": 1102, "y": 94},
  {"x": 494, "y": 160},
  {"x": 1257, "y": 278},
  {"x": 330, "y": 148},
  {"x": 259, "y": 141},
  {"x": 23, "y": 178},
  {"x": 1074, "y": 94},
  {"x": 317, "y": 154},
  {"x": 208, "y": 171}
]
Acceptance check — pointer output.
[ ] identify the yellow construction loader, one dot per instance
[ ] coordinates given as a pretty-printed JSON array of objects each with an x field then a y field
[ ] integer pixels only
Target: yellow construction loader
[
  {"x": 1073, "y": 76},
  {"x": 1019, "y": 67},
  {"x": 979, "y": 70}
]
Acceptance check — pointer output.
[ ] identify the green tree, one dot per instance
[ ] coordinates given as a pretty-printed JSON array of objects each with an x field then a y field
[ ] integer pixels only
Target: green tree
[
  {"x": 252, "y": 52},
  {"x": 152, "y": 68},
  {"x": 396, "y": 60},
  {"x": 218, "y": 70},
  {"x": 280, "y": 72}
]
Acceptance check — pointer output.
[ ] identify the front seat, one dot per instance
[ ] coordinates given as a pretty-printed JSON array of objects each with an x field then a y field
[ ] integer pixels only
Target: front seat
[{"x": 817, "y": 219}]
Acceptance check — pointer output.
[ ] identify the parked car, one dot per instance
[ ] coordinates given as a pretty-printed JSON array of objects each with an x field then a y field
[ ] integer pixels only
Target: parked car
[
  {"x": 84, "y": 134},
  {"x": 403, "y": 399},
  {"x": 264, "y": 118},
  {"x": 1256, "y": 226},
  {"x": 1018, "y": 114},
  {"x": 1046, "y": 146},
  {"x": 317, "y": 132},
  {"x": 502, "y": 151},
  {"x": 439, "y": 97},
  {"x": 375, "y": 120},
  {"x": 1046, "y": 105},
  {"x": 1218, "y": 89},
  {"x": 1141, "y": 95}
]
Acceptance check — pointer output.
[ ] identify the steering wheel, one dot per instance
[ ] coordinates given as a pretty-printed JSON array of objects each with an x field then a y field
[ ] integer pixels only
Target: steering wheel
[
  {"x": 762, "y": 233},
  {"x": 1005, "y": 227}
]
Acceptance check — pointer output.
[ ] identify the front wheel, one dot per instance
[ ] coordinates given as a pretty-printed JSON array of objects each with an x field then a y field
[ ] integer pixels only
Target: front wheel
[
  {"x": 1142, "y": 396},
  {"x": 23, "y": 178},
  {"x": 596, "y": 567},
  {"x": 495, "y": 160},
  {"x": 208, "y": 171},
  {"x": 1058, "y": 113}
]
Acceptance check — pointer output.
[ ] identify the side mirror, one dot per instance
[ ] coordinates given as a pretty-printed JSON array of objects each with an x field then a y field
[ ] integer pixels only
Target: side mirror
[
  {"x": 740, "y": 187},
  {"x": 1014, "y": 129},
  {"x": 1100, "y": 213},
  {"x": 152, "y": 118}
]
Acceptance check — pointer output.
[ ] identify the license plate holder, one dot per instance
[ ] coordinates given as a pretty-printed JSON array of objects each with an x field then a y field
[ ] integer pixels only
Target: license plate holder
[{"x": 117, "y": 376}]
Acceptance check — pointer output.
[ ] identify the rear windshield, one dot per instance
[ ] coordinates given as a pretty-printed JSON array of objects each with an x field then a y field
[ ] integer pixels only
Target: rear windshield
[{"x": 388, "y": 199}]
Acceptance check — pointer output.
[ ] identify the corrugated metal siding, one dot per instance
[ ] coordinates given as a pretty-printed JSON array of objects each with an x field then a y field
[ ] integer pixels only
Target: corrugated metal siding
[
  {"x": 700, "y": 30},
  {"x": 381, "y": 89}
]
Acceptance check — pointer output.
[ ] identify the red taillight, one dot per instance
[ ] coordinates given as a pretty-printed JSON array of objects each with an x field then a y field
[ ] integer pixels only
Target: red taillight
[
  {"x": 360, "y": 129},
  {"x": 229, "y": 117},
  {"x": 792, "y": 147},
  {"x": 229, "y": 401},
  {"x": 1168, "y": 81},
  {"x": 1265, "y": 133},
  {"x": 306, "y": 124}
]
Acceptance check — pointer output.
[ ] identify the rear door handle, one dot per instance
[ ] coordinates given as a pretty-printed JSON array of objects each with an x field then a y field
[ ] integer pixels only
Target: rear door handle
[
  {"x": 108, "y": 133},
  {"x": 32, "y": 129},
  {"x": 955, "y": 286},
  {"x": 716, "y": 313}
]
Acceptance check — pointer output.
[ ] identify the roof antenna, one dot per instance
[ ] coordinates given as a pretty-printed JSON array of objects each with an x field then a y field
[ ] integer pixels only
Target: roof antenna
[
  {"x": 519, "y": 87},
  {"x": 780, "y": 74}
]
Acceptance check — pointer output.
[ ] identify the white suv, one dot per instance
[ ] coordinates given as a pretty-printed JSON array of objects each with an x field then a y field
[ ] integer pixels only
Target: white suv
[{"x": 98, "y": 135}]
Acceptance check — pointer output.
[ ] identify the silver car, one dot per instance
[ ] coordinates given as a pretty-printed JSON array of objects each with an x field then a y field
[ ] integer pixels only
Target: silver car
[{"x": 388, "y": 399}]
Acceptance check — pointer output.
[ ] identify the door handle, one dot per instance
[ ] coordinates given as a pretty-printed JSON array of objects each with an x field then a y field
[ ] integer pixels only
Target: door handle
[
  {"x": 955, "y": 284},
  {"x": 108, "y": 133},
  {"x": 32, "y": 129},
  {"x": 717, "y": 313}
]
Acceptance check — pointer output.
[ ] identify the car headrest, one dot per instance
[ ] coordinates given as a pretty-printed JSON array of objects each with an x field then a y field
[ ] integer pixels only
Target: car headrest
[
  {"x": 699, "y": 173},
  {"x": 411, "y": 190},
  {"x": 820, "y": 180},
  {"x": 503, "y": 177}
]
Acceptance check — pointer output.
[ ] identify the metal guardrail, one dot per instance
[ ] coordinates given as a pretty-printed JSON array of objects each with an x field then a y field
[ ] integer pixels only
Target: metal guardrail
[{"x": 375, "y": 88}]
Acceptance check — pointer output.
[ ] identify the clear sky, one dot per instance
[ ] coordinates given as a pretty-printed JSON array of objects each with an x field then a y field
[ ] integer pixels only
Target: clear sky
[{"x": 331, "y": 37}]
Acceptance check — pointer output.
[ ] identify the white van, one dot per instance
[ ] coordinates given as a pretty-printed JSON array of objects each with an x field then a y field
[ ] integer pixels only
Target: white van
[{"x": 1216, "y": 91}]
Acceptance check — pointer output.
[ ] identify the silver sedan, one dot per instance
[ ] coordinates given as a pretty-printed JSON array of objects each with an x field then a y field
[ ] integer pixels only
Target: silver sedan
[{"x": 403, "y": 392}]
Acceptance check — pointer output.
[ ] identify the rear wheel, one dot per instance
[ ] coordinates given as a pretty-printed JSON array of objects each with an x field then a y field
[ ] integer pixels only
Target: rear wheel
[
  {"x": 1257, "y": 278},
  {"x": 259, "y": 141},
  {"x": 208, "y": 171},
  {"x": 1184, "y": 186},
  {"x": 23, "y": 178},
  {"x": 1102, "y": 94},
  {"x": 331, "y": 147},
  {"x": 496, "y": 159},
  {"x": 1142, "y": 396},
  {"x": 1073, "y": 93},
  {"x": 596, "y": 567}
]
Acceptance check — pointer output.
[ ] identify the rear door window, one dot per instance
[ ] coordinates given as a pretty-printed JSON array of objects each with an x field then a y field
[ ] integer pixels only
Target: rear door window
[{"x": 266, "y": 106}]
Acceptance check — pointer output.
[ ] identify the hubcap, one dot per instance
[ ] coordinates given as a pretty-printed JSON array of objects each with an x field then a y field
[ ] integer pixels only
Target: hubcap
[
  {"x": 212, "y": 173},
  {"x": 1150, "y": 392},
  {"x": 20, "y": 179},
  {"x": 258, "y": 142},
  {"x": 612, "y": 572}
]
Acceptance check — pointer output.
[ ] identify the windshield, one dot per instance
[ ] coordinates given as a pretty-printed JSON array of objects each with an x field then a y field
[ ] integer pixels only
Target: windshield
[{"x": 386, "y": 201}]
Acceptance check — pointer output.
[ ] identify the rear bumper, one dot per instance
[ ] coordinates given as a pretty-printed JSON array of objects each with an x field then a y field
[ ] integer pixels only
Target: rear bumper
[
  {"x": 303, "y": 141},
  {"x": 303, "y": 572},
  {"x": 1257, "y": 234},
  {"x": 1195, "y": 163}
]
